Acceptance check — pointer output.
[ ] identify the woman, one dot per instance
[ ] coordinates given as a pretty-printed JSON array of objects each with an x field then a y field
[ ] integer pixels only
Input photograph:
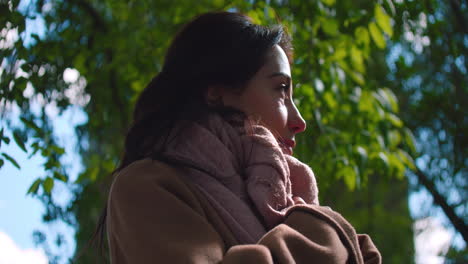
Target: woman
[{"x": 208, "y": 174}]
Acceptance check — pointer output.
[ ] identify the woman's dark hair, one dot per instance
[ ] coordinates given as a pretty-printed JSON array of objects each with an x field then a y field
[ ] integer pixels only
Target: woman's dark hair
[{"x": 215, "y": 49}]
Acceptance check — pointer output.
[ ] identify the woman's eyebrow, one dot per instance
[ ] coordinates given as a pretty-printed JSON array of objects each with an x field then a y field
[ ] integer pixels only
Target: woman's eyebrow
[{"x": 282, "y": 74}]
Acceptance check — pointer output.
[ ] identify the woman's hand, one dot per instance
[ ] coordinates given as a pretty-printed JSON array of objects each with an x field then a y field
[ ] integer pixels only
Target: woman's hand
[{"x": 276, "y": 181}]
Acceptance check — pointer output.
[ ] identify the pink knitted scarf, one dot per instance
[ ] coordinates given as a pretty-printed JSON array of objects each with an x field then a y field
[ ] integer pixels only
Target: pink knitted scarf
[{"x": 245, "y": 176}]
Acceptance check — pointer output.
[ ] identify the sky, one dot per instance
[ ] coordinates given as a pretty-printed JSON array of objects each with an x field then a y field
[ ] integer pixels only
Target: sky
[
  {"x": 10, "y": 253},
  {"x": 21, "y": 214}
]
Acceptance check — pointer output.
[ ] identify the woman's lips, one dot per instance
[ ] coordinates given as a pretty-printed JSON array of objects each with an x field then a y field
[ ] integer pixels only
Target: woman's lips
[
  {"x": 288, "y": 145},
  {"x": 291, "y": 143}
]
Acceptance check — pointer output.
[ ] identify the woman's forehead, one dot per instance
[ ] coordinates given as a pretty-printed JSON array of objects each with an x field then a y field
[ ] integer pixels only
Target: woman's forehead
[{"x": 276, "y": 63}]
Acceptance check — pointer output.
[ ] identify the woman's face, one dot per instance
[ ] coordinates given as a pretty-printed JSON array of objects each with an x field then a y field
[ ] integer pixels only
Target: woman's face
[{"x": 268, "y": 96}]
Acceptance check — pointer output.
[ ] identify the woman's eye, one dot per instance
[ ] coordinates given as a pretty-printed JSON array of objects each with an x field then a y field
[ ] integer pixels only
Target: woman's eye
[{"x": 284, "y": 87}]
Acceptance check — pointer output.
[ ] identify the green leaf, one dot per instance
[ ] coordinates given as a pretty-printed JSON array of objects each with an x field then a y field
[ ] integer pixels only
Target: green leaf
[
  {"x": 51, "y": 162},
  {"x": 26, "y": 67},
  {"x": 406, "y": 159},
  {"x": 48, "y": 185},
  {"x": 383, "y": 20},
  {"x": 329, "y": 2},
  {"x": 256, "y": 18},
  {"x": 34, "y": 186},
  {"x": 1, "y": 163},
  {"x": 81, "y": 177},
  {"x": 390, "y": 98},
  {"x": 349, "y": 176},
  {"x": 271, "y": 12},
  {"x": 340, "y": 53},
  {"x": 357, "y": 59},
  {"x": 35, "y": 146},
  {"x": 365, "y": 103},
  {"x": 383, "y": 157},
  {"x": 355, "y": 75},
  {"x": 387, "y": 99},
  {"x": 376, "y": 35},
  {"x": 395, "y": 120},
  {"x": 380, "y": 140},
  {"x": 330, "y": 99},
  {"x": 362, "y": 152},
  {"x": 32, "y": 125},
  {"x": 362, "y": 35},
  {"x": 397, "y": 165},
  {"x": 410, "y": 140},
  {"x": 60, "y": 176},
  {"x": 391, "y": 6},
  {"x": 394, "y": 138},
  {"x": 11, "y": 159},
  {"x": 19, "y": 141},
  {"x": 330, "y": 26},
  {"x": 20, "y": 84},
  {"x": 57, "y": 149},
  {"x": 93, "y": 174},
  {"x": 6, "y": 140},
  {"x": 3, "y": 138}
]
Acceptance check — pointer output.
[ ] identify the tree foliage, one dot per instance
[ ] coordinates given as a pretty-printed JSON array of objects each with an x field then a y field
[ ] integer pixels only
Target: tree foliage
[
  {"x": 430, "y": 79},
  {"x": 358, "y": 141}
]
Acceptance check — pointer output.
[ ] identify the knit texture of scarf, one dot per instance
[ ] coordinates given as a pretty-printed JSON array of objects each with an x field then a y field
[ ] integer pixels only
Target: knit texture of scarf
[{"x": 245, "y": 176}]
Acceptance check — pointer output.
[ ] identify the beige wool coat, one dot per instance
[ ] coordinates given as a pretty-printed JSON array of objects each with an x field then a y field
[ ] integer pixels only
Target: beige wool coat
[{"x": 155, "y": 216}]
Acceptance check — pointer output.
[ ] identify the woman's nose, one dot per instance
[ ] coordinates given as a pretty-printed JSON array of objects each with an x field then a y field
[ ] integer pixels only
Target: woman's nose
[{"x": 295, "y": 121}]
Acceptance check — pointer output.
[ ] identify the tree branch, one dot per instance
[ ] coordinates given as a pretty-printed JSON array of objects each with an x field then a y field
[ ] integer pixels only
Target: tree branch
[
  {"x": 449, "y": 211},
  {"x": 459, "y": 16},
  {"x": 98, "y": 21}
]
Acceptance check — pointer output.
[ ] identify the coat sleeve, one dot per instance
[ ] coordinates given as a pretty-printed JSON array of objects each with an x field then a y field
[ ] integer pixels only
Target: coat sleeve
[{"x": 158, "y": 220}]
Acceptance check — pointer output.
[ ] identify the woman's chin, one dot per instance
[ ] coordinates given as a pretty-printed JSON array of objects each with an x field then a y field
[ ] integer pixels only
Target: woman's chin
[{"x": 288, "y": 151}]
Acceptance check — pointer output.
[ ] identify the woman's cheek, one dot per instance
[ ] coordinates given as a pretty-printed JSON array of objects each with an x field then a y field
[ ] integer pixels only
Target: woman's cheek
[
  {"x": 283, "y": 115},
  {"x": 277, "y": 118}
]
